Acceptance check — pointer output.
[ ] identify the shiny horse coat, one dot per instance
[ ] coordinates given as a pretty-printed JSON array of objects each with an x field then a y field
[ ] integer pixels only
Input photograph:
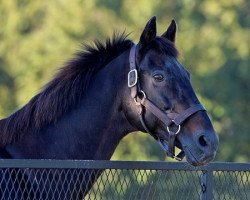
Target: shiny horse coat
[{"x": 86, "y": 109}]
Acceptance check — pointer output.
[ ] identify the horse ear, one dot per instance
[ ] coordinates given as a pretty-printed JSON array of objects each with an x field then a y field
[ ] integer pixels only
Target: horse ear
[
  {"x": 170, "y": 34},
  {"x": 149, "y": 32}
]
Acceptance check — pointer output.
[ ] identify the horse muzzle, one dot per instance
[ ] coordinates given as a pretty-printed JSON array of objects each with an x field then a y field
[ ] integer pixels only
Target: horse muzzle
[{"x": 201, "y": 148}]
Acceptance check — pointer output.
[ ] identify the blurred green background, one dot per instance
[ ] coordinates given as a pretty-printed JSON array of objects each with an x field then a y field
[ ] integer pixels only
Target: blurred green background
[{"x": 38, "y": 36}]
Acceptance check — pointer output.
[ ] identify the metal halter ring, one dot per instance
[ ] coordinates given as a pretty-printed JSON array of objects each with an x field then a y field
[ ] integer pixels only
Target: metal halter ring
[
  {"x": 179, "y": 128},
  {"x": 144, "y": 95},
  {"x": 141, "y": 99}
]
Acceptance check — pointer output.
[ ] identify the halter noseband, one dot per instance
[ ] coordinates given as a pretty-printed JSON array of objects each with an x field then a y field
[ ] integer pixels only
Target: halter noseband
[{"x": 144, "y": 103}]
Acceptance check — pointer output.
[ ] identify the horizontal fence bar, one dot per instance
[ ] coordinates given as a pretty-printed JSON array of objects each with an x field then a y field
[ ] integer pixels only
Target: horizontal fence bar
[
  {"x": 103, "y": 164},
  {"x": 228, "y": 166},
  {"x": 93, "y": 164}
]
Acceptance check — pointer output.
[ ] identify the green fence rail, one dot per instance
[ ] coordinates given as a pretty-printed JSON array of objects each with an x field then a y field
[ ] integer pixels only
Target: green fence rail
[{"x": 66, "y": 179}]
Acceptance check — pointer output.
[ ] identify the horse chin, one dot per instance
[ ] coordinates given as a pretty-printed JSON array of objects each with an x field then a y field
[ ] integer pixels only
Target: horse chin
[
  {"x": 194, "y": 155},
  {"x": 194, "y": 158}
]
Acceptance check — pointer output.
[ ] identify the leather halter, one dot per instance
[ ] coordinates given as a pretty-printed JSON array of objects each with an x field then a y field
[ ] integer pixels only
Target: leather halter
[{"x": 169, "y": 119}]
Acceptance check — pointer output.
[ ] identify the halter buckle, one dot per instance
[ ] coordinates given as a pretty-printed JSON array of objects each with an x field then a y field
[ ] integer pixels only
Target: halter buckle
[{"x": 132, "y": 78}]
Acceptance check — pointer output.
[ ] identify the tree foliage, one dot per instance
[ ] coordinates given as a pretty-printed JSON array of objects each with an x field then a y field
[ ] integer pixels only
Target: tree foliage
[{"x": 214, "y": 40}]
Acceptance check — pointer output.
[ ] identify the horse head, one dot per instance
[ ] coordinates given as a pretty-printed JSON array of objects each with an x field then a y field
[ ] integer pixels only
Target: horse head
[{"x": 165, "y": 99}]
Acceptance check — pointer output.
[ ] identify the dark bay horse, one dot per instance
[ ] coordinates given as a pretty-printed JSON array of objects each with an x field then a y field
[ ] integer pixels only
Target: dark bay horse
[{"x": 106, "y": 92}]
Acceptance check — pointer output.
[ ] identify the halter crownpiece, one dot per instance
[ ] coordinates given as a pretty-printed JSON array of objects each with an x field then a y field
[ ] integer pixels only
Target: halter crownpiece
[{"x": 144, "y": 103}]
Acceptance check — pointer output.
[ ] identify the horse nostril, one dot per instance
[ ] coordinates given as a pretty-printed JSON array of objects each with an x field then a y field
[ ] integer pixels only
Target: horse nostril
[{"x": 202, "y": 141}]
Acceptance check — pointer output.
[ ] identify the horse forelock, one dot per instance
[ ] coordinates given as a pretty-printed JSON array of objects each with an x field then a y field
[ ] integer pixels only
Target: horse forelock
[{"x": 165, "y": 46}]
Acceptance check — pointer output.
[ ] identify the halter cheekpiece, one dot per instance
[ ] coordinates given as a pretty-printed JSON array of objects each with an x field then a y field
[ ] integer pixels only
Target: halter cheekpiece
[{"x": 171, "y": 119}]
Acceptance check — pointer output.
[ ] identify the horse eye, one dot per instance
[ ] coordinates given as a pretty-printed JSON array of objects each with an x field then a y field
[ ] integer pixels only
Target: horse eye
[{"x": 158, "y": 77}]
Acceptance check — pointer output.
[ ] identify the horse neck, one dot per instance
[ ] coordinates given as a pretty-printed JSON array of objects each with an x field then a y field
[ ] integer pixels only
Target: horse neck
[
  {"x": 90, "y": 131},
  {"x": 109, "y": 96}
]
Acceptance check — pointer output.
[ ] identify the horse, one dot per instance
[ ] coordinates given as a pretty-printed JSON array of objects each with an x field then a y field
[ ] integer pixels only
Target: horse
[{"x": 107, "y": 91}]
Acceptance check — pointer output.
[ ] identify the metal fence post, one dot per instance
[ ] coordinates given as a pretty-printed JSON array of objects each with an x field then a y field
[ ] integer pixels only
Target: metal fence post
[{"x": 207, "y": 185}]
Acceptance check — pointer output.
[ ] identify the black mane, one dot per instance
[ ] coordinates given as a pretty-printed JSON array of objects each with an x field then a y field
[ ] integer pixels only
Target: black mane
[{"x": 65, "y": 90}]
